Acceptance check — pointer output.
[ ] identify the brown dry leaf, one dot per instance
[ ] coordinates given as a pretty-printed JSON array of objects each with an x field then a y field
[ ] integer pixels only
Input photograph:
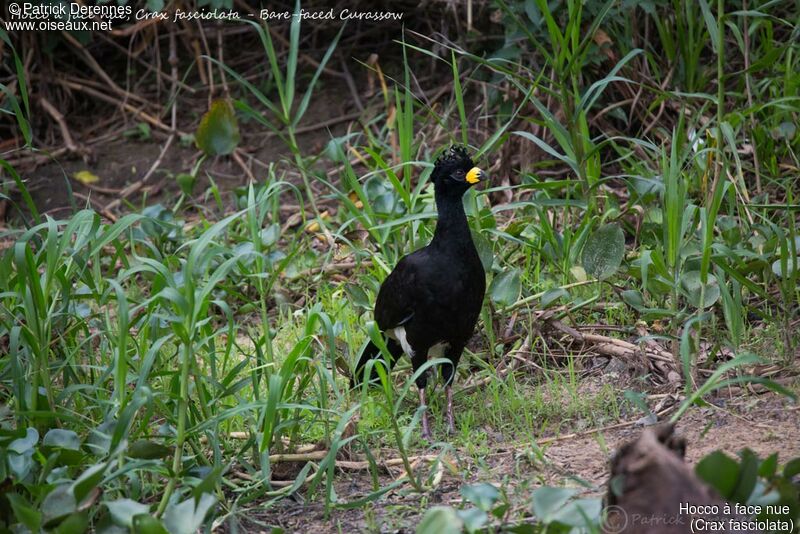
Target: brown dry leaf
[
  {"x": 602, "y": 38},
  {"x": 358, "y": 235},
  {"x": 605, "y": 43}
]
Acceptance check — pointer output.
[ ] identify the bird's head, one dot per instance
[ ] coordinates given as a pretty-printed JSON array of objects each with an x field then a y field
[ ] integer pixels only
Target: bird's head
[{"x": 454, "y": 171}]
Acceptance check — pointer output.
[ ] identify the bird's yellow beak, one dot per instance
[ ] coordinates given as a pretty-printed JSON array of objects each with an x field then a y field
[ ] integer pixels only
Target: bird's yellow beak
[{"x": 475, "y": 175}]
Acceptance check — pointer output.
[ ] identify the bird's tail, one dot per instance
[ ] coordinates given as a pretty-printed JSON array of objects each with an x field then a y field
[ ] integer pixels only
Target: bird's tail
[{"x": 372, "y": 352}]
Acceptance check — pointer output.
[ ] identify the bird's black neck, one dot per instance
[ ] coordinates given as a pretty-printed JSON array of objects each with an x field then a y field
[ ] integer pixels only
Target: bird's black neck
[{"x": 451, "y": 227}]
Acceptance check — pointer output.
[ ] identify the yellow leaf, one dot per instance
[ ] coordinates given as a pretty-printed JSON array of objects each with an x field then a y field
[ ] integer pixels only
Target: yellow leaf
[
  {"x": 313, "y": 227},
  {"x": 354, "y": 198},
  {"x": 86, "y": 177}
]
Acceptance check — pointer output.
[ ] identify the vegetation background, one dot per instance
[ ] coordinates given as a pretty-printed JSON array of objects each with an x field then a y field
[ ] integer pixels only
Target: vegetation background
[{"x": 195, "y": 217}]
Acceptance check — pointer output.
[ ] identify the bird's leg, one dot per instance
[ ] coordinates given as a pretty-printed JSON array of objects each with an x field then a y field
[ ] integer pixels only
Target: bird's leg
[
  {"x": 453, "y": 354},
  {"x": 426, "y": 430},
  {"x": 418, "y": 359},
  {"x": 451, "y": 422}
]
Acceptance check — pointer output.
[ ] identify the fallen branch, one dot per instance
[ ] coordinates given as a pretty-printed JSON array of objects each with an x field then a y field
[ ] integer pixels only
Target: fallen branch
[
  {"x": 69, "y": 142},
  {"x": 656, "y": 356},
  {"x": 95, "y": 66},
  {"x": 36, "y": 159},
  {"x": 146, "y": 117},
  {"x": 239, "y": 161},
  {"x": 330, "y": 267},
  {"x": 110, "y": 216}
]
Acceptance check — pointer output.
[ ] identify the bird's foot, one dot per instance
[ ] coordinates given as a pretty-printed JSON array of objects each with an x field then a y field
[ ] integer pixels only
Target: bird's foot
[
  {"x": 426, "y": 429},
  {"x": 451, "y": 422},
  {"x": 426, "y": 433}
]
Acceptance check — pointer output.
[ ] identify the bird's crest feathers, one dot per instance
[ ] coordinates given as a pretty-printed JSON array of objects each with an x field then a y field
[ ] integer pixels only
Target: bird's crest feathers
[{"x": 454, "y": 154}]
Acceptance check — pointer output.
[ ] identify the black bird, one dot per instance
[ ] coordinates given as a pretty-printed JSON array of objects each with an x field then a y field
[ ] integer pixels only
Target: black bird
[{"x": 429, "y": 304}]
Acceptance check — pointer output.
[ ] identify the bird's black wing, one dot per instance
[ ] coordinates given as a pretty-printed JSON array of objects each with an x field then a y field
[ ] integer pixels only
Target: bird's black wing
[
  {"x": 398, "y": 295},
  {"x": 394, "y": 307}
]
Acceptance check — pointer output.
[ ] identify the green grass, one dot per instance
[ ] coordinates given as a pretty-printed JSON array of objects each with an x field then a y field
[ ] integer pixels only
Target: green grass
[{"x": 132, "y": 351}]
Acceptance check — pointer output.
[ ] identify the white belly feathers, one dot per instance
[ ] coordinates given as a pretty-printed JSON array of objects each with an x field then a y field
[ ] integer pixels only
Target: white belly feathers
[{"x": 399, "y": 333}]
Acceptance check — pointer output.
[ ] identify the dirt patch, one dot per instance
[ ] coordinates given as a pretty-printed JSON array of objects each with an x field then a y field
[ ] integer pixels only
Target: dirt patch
[
  {"x": 767, "y": 425},
  {"x": 764, "y": 424},
  {"x": 124, "y": 161}
]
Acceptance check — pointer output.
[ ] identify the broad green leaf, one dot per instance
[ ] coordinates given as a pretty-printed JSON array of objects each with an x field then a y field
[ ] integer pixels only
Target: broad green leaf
[
  {"x": 692, "y": 288},
  {"x": 777, "y": 267},
  {"x": 791, "y": 468},
  {"x": 186, "y": 182},
  {"x": 66, "y": 439},
  {"x": 147, "y": 524},
  {"x": 580, "y": 513},
  {"x": 484, "y": 247},
  {"x": 473, "y": 518},
  {"x": 720, "y": 471},
  {"x": 768, "y": 466},
  {"x": 211, "y": 480},
  {"x": 20, "y": 454},
  {"x": 547, "y": 501},
  {"x": 481, "y": 495},
  {"x": 24, "y": 512},
  {"x": 123, "y": 511},
  {"x": 76, "y": 523},
  {"x": 603, "y": 251},
  {"x": 440, "y": 520},
  {"x": 99, "y": 439},
  {"x": 748, "y": 475},
  {"x": 88, "y": 480},
  {"x": 552, "y": 296},
  {"x": 58, "y": 504},
  {"x": 186, "y": 517},
  {"x": 270, "y": 235},
  {"x": 358, "y": 296},
  {"x": 578, "y": 273},
  {"x": 20, "y": 465},
  {"x": 22, "y": 445},
  {"x": 506, "y": 288},
  {"x": 633, "y": 298},
  {"x": 218, "y": 132}
]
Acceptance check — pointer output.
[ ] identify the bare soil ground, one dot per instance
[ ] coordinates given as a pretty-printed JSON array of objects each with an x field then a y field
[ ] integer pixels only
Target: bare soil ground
[
  {"x": 125, "y": 161},
  {"x": 765, "y": 424}
]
